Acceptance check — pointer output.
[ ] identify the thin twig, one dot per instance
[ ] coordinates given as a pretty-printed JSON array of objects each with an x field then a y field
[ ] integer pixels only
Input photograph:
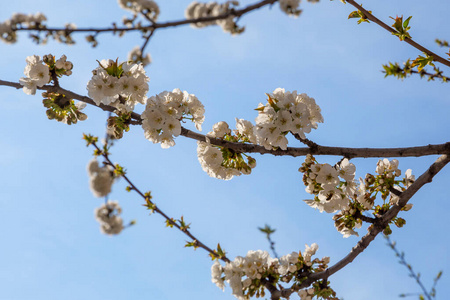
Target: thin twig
[
  {"x": 374, "y": 19},
  {"x": 159, "y": 211},
  {"x": 402, "y": 261},
  {"x": 154, "y": 25}
]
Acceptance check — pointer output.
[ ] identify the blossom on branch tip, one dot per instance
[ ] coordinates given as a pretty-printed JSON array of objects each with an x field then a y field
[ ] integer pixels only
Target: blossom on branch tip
[
  {"x": 290, "y": 7},
  {"x": 108, "y": 217},
  {"x": 100, "y": 178},
  {"x": 285, "y": 112},
  {"x": 121, "y": 85},
  {"x": 197, "y": 10},
  {"x": 37, "y": 74},
  {"x": 149, "y": 8},
  {"x": 19, "y": 20},
  {"x": 135, "y": 56}
]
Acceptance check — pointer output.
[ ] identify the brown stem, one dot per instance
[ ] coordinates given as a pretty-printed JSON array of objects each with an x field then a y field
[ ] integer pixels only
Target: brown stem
[
  {"x": 154, "y": 26},
  {"x": 159, "y": 211},
  {"x": 251, "y": 148},
  {"x": 374, "y": 19},
  {"x": 377, "y": 227}
]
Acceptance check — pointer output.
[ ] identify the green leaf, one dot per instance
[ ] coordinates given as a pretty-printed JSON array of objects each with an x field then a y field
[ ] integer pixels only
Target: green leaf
[{"x": 422, "y": 61}]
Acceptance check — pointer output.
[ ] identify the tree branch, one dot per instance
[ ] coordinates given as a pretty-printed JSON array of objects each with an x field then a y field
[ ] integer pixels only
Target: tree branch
[
  {"x": 391, "y": 30},
  {"x": 159, "y": 211},
  {"x": 376, "y": 228},
  {"x": 347, "y": 152},
  {"x": 154, "y": 25}
]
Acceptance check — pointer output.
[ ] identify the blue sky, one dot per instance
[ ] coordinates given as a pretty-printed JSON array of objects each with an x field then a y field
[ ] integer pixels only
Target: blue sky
[{"x": 52, "y": 247}]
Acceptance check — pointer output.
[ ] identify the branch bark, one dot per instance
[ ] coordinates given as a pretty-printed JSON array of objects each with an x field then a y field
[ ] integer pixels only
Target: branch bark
[
  {"x": 391, "y": 30},
  {"x": 314, "y": 149},
  {"x": 374, "y": 229}
]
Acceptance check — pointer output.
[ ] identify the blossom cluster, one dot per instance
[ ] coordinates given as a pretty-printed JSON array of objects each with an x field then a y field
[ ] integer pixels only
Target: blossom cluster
[
  {"x": 197, "y": 10},
  {"x": 37, "y": 75},
  {"x": 220, "y": 162},
  {"x": 147, "y": 7},
  {"x": 135, "y": 56},
  {"x": 246, "y": 275},
  {"x": 290, "y": 7},
  {"x": 163, "y": 113},
  {"x": 108, "y": 217},
  {"x": 39, "y": 71},
  {"x": 119, "y": 85},
  {"x": 19, "y": 20},
  {"x": 324, "y": 180},
  {"x": 285, "y": 112},
  {"x": 100, "y": 178},
  {"x": 335, "y": 189}
]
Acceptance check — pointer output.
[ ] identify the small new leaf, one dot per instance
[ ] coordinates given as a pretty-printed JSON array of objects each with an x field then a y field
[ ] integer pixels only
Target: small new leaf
[
  {"x": 359, "y": 14},
  {"x": 442, "y": 43},
  {"x": 217, "y": 254},
  {"x": 401, "y": 27},
  {"x": 150, "y": 205},
  {"x": 421, "y": 62},
  {"x": 183, "y": 226},
  {"x": 148, "y": 195},
  {"x": 267, "y": 229},
  {"x": 90, "y": 139},
  {"x": 119, "y": 170},
  {"x": 194, "y": 244},
  {"x": 170, "y": 222}
]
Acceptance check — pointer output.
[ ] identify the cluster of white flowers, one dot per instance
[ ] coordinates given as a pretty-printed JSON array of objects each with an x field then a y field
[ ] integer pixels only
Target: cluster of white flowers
[
  {"x": 244, "y": 274},
  {"x": 135, "y": 56},
  {"x": 163, "y": 113},
  {"x": 7, "y": 28},
  {"x": 333, "y": 194},
  {"x": 324, "y": 181},
  {"x": 197, "y": 10},
  {"x": 285, "y": 112},
  {"x": 64, "y": 65},
  {"x": 147, "y": 7},
  {"x": 120, "y": 85},
  {"x": 306, "y": 294},
  {"x": 108, "y": 217},
  {"x": 100, "y": 178},
  {"x": 290, "y": 7},
  {"x": 245, "y": 129},
  {"x": 389, "y": 168},
  {"x": 217, "y": 164},
  {"x": 37, "y": 74}
]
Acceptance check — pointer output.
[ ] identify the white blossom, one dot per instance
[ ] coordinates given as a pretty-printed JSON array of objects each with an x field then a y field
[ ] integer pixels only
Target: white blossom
[
  {"x": 122, "y": 91},
  {"x": 108, "y": 217},
  {"x": 135, "y": 56},
  {"x": 37, "y": 74},
  {"x": 197, "y": 10},
  {"x": 146, "y": 7},
  {"x": 163, "y": 113},
  {"x": 100, "y": 178},
  {"x": 8, "y": 28},
  {"x": 285, "y": 112},
  {"x": 290, "y": 7}
]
